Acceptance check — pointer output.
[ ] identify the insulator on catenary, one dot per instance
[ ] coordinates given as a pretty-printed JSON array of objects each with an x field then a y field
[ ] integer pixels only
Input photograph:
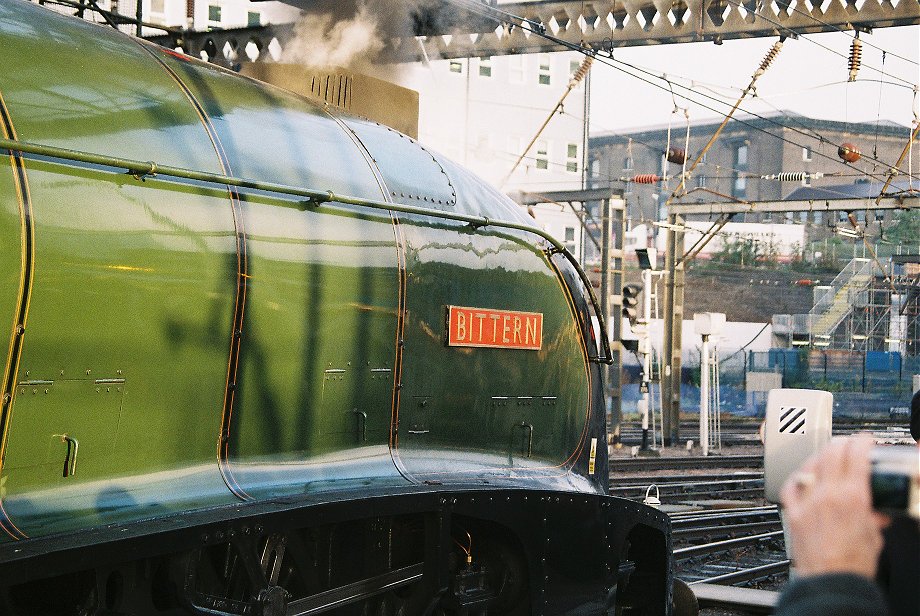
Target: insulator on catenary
[
  {"x": 849, "y": 152},
  {"x": 645, "y": 178},
  {"x": 793, "y": 176},
  {"x": 855, "y": 58},
  {"x": 768, "y": 59},
  {"x": 582, "y": 71},
  {"x": 676, "y": 155}
]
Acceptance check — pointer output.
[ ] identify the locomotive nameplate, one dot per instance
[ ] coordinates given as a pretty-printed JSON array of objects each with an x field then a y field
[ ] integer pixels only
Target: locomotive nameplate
[{"x": 500, "y": 329}]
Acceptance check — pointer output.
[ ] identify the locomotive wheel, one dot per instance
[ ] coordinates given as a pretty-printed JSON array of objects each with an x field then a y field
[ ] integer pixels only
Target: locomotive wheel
[
  {"x": 684, "y": 600},
  {"x": 508, "y": 578}
]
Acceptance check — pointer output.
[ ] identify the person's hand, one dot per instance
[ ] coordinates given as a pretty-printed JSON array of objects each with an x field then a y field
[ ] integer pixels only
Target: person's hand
[{"x": 828, "y": 506}]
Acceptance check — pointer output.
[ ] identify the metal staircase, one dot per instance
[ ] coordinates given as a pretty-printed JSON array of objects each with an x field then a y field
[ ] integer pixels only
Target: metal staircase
[{"x": 837, "y": 301}]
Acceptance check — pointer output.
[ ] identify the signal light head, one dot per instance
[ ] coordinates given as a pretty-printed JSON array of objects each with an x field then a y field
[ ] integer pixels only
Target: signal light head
[{"x": 631, "y": 302}]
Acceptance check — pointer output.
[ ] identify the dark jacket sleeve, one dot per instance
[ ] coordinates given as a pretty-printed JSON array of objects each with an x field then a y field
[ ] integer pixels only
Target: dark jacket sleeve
[
  {"x": 915, "y": 416},
  {"x": 832, "y": 594}
]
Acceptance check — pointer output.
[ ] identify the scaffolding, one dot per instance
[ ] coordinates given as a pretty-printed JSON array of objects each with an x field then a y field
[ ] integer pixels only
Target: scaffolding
[{"x": 885, "y": 317}]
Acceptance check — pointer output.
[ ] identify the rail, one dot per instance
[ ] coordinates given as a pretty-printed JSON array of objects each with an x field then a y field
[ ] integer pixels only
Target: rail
[
  {"x": 694, "y": 462},
  {"x": 746, "y": 575},
  {"x": 726, "y": 545}
]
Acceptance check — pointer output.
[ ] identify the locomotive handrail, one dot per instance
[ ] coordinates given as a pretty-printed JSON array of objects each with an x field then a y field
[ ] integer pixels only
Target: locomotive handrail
[{"x": 141, "y": 169}]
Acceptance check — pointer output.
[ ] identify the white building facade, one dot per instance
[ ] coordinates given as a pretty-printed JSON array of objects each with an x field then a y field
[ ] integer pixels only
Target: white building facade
[{"x": 483, "y": 113}]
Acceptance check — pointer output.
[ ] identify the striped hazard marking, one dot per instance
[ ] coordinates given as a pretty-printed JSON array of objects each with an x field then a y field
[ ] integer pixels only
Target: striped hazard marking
[{"x": 792, "y": 419}]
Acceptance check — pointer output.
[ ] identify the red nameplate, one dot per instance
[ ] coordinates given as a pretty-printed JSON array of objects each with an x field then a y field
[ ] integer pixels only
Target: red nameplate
[{"x": 501, "y": 329}]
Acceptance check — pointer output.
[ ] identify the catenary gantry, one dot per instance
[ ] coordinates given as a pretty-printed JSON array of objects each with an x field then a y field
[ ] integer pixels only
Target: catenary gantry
[{"x": 464, "y": 28}]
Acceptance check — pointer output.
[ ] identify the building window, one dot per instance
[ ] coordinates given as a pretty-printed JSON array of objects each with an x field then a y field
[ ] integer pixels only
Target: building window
[
  {"x": 741, "y": 155},
  {"x": 516, "y": 69},
  {"x": 543, "y": 70},
  {"x": 574, "y": 65},
  {"x": 542, "y": 155},
  {"x": 819, "y": 217},
  {"x": 214, "y": 13},
  {"x": 570, "y": 239},
  {"x": 571, "y": 160},
  {"x": 806, "y": 154},
  {"x": 701, "y": 181},
  {"x": 595, "y": 167},
  {"x": 739, "y": 187},
  {"x": 253, "y": 19},
  {"x": 806, "y": 181},
  {"x": 455, "y": 66},
  {"x": 485, "y": 67},
  {"x": 628, "y": 163}
]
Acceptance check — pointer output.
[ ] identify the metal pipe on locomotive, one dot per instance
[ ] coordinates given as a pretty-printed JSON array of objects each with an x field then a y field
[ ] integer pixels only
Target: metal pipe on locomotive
[{"x": 230, "y": 389}]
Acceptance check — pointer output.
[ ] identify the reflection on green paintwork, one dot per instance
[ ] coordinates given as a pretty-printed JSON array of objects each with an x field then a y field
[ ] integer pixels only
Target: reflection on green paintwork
[{"x": 128, "y": 399}]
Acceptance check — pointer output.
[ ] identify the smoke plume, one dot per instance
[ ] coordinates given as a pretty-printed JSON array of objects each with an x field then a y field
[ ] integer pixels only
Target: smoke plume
[{"x": 351, "y": 34}]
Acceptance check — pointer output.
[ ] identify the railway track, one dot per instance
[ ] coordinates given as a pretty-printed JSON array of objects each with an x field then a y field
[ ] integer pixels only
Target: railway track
[
  {"x": 732, "y": 434},
  {"x": 730, "y": 547},
  {"x": 725, "y": 489},
  {"x": 742, "y": 547},
  {"x": 689, "y": 462},
  {"x": 723, "y": 552}
]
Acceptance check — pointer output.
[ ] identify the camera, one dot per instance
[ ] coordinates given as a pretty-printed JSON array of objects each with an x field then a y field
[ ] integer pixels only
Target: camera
[{"x": 895, "y": 480}]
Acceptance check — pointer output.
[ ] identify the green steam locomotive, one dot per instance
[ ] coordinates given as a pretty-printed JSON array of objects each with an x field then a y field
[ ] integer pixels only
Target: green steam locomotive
[{"x": 266, "y": 360}]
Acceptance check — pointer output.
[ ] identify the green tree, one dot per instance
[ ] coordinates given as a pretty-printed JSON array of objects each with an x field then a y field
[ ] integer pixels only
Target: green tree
[
  {"x": 906, "y": 228},
  {"x": 738, "y": 249}
]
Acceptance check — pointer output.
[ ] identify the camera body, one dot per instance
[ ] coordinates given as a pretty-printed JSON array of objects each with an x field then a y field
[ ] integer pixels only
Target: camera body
[
  {"x": 895, "y": 480},
  {"x": 798, "y": 424}
]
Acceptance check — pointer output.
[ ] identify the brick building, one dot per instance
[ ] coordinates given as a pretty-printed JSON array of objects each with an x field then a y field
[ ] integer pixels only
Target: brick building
[{"x": 745, "y": 151}]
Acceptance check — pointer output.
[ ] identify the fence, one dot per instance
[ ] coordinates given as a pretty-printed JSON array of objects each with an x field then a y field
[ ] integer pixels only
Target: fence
[{"x": 838, "y": 370}]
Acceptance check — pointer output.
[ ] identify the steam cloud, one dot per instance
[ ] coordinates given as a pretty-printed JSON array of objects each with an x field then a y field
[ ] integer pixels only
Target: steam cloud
[
  {"x": 350, "y": 34},
  {"x": 327, "y": 40}
]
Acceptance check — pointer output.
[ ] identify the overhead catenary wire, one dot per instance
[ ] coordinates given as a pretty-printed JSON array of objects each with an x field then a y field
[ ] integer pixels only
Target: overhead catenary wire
[
  {"x": 790, "y": 32},
  {"x": 652, "y": 178},
  {"x": 768, "y": 120},
  {"x": 538, "y": 30},
  {"x": 764, "y": 65},
  {"x": 577, "y": 78},
  {"x": 854, "y": 173},
  {"x": 837, "y": 28}
]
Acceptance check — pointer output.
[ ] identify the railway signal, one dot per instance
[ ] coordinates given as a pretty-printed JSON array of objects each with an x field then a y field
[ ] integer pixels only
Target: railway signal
[{"x": 631, "y": 293}]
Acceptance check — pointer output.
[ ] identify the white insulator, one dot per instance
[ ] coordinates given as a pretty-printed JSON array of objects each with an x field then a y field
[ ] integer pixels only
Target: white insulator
[
  {"x": 855, "y": 58},
  {"x": 793, "y": 176},
  {"x": 582, "y": 71},
  {"x": 768, "y": 59},
  {"x": 787, "y": 176}
]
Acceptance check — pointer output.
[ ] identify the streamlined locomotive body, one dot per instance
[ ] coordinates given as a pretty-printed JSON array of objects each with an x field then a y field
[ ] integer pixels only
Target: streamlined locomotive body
[{"x": 265, "y": 359}]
